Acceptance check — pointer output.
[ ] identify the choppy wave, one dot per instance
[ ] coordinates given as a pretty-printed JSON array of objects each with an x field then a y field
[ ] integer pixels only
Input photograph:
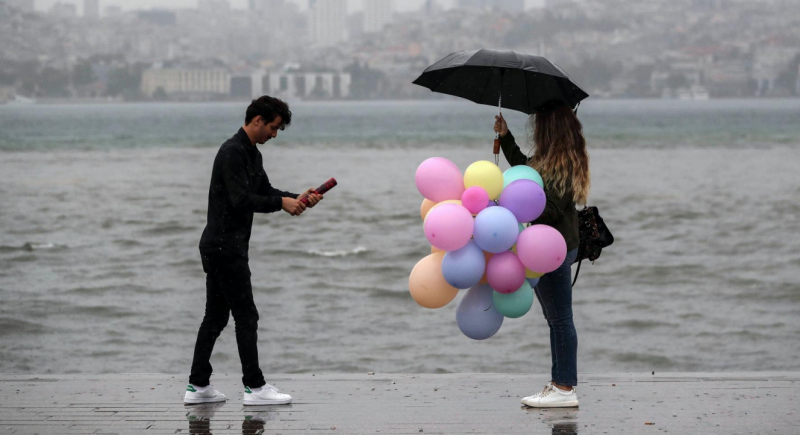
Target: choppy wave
[
  {"x": 17, "y": 326},
  {"x": 342, "y": 253},
  {"x": 33, "y": 246}
]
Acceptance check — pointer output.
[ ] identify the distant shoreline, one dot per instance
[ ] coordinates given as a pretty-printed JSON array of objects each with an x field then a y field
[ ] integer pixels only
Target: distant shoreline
[{"x": 95, "y": 102}]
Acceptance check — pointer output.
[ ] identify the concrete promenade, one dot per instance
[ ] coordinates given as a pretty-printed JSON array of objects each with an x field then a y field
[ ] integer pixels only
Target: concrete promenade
[{"x": 684, "y": 403}]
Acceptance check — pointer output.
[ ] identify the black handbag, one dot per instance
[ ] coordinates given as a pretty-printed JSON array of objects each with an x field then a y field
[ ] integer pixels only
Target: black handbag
[{"x": 594, "y": 236}]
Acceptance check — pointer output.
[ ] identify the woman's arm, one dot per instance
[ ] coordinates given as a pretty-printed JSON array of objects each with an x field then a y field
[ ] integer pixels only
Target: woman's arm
[{"x": 511, "y": 150}]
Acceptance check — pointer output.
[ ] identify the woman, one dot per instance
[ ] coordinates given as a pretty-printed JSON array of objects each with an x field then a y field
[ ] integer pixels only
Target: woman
[{"x": 560, "y": 157}]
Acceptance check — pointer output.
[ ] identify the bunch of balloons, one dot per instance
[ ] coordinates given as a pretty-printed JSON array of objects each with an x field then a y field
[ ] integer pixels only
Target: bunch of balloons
[{"x": 475, "y": 225}]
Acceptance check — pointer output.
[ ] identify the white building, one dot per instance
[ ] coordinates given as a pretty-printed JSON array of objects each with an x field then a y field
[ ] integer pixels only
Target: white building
[
  {"x": 27, "y": 6},
  {"x": 327, "y": 21},
  {"x": 266, "y": 5},
  {"x": 310, "y": 85},
  {"x": 187, "y": 82},
  {"x": 64, "y": 10},
  {"x": 91, "y": 9},
  {"x": 377, "y": 14},
  {"x": 768, "y": 64},
  {"x": 214, "y": 6}
]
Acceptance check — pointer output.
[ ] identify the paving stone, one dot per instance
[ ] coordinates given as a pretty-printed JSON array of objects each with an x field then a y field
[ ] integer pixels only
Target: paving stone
[{"x": 726, "y": 403}]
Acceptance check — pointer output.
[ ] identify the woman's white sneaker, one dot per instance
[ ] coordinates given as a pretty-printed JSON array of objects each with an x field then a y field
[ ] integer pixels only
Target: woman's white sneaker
[
  {"x": 207, "y": 394},
  {"x": 266, "y": 395},
  {"x": 535, "y": 397},
  {"x": 552, "y": 397}
]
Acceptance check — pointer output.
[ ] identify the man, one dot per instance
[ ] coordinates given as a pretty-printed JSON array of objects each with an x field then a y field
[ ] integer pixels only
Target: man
[{"x": 239, "y": 188}]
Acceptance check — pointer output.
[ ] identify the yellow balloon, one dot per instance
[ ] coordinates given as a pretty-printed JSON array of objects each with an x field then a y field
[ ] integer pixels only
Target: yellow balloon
[
  {"x": 434, "y": 250},
  {"x": 426, "y": 206},
  {"x": 487, "y": 175},
  {"x": 531, "y": 274},
  {"x": 427, "y": 284}
]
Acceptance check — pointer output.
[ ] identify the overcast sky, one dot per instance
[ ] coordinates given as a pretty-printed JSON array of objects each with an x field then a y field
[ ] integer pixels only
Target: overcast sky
[{"x": 354, "y": 5}]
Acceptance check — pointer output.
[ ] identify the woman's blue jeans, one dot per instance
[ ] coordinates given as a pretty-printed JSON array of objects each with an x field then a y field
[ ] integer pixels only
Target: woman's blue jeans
[{"x": 554, "y": 292}]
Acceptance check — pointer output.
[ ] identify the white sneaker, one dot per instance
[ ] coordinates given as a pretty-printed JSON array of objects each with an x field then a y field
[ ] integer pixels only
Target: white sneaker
[
  {"x": 207, "y": 394},
  {"x": 535, "y": 397},
  {"x": 266, "y": 395},
  {"x": 552, "y": 397}
]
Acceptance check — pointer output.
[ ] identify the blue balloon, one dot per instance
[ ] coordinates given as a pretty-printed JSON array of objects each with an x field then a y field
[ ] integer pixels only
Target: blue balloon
[
  {"x": 496, "y": 229},
  {"x": 521, "y": 172},
  {"x": 464, "y": 268},
  {"x": 514, "y": 305},
  {"x": 476, "y": 316},
  {"x": 533, "y": 281}
]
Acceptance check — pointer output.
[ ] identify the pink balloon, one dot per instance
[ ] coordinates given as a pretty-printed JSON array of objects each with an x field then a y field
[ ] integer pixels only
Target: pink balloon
[
  {"x": 541, "y": 248},
  {"x": 439, "y": 179},
  {"x": 505, "y": 272},
  {"x": 525, "y": 198},
  {"x": 449, "y": 227},
  {"x": 475, "y": 199}
]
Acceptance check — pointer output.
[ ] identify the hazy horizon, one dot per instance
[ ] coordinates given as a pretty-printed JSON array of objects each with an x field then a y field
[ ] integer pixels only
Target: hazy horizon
[{"x": 353, "y": 5}]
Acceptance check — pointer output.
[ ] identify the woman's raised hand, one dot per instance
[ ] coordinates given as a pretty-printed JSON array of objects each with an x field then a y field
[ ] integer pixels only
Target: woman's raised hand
[{"x": 500, "y": 125}]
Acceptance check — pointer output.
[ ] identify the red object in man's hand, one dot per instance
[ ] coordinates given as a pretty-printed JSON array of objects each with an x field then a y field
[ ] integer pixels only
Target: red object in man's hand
[{"x": 330, "y": 184}]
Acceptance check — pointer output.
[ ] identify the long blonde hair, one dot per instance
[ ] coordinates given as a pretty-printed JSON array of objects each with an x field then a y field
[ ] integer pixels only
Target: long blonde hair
[{"x": 559, "y": 151}]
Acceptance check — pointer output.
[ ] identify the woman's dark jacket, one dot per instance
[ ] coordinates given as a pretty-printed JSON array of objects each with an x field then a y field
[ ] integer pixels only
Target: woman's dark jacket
[{"x": 560, "y": 212}]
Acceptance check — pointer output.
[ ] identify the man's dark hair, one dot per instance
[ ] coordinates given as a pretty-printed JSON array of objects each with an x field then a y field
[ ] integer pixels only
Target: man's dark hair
[{"x": 269, "y": 108}]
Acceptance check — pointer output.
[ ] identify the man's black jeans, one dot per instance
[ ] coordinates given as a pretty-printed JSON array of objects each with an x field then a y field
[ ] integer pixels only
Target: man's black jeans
[{"x": 228, "y": 290}]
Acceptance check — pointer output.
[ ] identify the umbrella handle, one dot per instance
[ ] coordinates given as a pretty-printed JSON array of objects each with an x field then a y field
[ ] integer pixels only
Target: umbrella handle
[{"x": 497, "y": 136}]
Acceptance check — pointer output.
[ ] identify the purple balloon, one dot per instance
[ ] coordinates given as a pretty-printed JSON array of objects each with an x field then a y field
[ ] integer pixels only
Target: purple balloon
[
  {"x": 524, "y": 198},
  {"x": 505, "y": 272},
  {"x": 476, "y": 315},
  {"x": 541, "y": 248},
  {"x": 496, "y": 229},
  {"x": 449, "y": 226},
  {"x": 465, "y": 267}
]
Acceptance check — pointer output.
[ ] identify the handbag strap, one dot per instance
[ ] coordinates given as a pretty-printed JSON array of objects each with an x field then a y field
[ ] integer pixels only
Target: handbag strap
[{"x": 577, "y": 271}]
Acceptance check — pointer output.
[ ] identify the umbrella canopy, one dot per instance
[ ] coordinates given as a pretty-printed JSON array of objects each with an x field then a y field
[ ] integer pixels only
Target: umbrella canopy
[{"x": 520, "y": 81}]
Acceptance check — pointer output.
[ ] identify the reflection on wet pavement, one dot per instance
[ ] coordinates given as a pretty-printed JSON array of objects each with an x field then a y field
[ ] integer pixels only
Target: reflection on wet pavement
[
  {"x": 565, "y": 429},
  {"x": 201, "y": 415},
  {"x": 561, "y": 421}
]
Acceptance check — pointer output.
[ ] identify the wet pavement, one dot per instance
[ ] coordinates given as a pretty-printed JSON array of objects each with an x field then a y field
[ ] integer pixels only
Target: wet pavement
[{"x": 684, "y": 403}]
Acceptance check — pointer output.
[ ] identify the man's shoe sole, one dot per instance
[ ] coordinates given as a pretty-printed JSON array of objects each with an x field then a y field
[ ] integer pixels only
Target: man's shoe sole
[
  {"x": 209, "y": 400},
  {"x": 573, "y": 404},
  {"x": 267, "y": 402}
]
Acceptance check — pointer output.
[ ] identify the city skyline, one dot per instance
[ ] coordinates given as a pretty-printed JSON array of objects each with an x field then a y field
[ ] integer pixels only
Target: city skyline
[{"x": 352, "y": 5}]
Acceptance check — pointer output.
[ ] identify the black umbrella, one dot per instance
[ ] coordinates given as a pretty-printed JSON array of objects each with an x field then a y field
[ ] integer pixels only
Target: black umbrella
[{"x": 516, "y": 81}]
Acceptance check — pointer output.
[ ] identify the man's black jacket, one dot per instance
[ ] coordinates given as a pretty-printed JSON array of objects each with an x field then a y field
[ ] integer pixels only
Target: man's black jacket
[{"x": 239, "y": 188}]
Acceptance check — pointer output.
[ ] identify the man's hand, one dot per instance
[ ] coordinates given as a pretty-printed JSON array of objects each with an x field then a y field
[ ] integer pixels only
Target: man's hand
[
  {"x": 292, "y": 206},
  {"x": 500, "y": 125},
  {"x": 313, "y": 197}
]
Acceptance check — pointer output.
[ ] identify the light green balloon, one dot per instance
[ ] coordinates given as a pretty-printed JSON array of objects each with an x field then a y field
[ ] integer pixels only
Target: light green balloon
[
  {"x": 521, "y": 172},
  {"x": 515, "y": 304}
]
